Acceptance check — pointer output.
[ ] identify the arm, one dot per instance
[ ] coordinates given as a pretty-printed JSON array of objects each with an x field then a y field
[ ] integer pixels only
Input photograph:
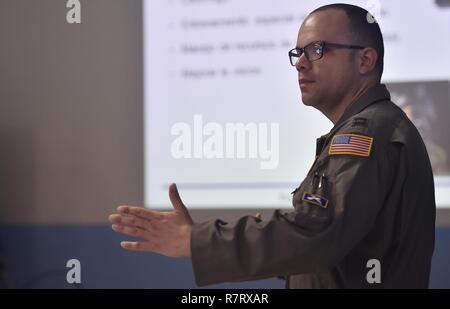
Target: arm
[{"x": 306, "y": 239}]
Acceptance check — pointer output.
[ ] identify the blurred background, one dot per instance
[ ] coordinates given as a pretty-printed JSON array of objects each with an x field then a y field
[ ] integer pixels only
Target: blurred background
[{"x": 72, "y": 132}]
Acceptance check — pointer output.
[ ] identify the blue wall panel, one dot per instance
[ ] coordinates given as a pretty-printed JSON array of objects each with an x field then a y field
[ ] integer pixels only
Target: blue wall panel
[{"x": 36, "y": 256}]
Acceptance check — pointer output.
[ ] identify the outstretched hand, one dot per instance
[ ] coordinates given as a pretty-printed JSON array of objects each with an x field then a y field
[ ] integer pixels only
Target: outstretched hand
[{"x": 167, "y": 233}]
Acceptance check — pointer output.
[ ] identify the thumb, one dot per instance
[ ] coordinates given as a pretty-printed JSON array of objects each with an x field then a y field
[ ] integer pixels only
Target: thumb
[{"x": 176, "y": 201}]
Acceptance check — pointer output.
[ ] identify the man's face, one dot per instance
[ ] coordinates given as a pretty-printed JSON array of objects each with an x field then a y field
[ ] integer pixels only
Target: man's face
[{"x": 325, "y": 82}]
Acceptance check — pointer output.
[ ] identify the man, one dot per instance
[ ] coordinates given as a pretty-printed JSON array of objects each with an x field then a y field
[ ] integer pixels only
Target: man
[{"x": 364, "y": 215}]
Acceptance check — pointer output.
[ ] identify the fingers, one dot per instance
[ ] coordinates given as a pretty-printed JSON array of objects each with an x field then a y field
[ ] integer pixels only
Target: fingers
[
  {"x": 131, "y": 231},
  {"x": 131, "y": 221},
  {"x": 140, "y": 212},
  {"x": 176, "y": 201},
  {"x": 174, "y": 196},
  {"x": 138, "y": 245}
]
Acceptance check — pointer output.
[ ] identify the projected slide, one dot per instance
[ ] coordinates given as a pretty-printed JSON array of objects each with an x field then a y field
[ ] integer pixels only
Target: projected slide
[{"x": 223, "y": 112}]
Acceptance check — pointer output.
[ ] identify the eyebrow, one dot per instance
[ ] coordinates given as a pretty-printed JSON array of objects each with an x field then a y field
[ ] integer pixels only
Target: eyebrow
[{"x": 309, "y": 43}]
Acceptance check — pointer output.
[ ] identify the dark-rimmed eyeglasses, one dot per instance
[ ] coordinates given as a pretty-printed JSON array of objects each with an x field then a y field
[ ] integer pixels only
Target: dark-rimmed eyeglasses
[{"x": 314, "y": 51}]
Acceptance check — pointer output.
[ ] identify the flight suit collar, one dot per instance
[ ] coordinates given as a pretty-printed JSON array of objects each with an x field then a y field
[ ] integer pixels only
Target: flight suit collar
[{"x": 373, "y": 95}]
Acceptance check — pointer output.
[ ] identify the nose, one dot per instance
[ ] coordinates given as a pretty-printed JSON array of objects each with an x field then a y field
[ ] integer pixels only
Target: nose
[{"x": 303, "y": 63}]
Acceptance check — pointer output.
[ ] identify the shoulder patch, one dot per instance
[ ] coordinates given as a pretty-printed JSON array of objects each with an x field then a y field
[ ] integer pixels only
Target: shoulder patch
[
  {"x": 351, "y": 144},
  {"x": 360, "y": 122}
]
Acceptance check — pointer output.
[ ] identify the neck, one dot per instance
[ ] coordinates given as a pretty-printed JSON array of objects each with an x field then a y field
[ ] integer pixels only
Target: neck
[{"x": 335, "y": 111}]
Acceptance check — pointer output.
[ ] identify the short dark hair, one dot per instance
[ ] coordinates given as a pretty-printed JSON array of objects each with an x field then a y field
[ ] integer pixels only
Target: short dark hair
[{"x": 363, "y": 29}]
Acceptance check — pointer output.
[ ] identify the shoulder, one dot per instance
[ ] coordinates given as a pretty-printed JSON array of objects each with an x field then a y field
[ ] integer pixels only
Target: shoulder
[
  {"x": 384, "y": 121},
  {"x": 371, "y": 133}
]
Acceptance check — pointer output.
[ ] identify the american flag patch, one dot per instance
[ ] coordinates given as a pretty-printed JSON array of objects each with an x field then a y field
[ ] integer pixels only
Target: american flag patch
[{"x": 352, "y": 144}]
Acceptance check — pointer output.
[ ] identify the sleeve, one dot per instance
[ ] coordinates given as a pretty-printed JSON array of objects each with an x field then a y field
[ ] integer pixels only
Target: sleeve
[{"x": 334, "y": 208}]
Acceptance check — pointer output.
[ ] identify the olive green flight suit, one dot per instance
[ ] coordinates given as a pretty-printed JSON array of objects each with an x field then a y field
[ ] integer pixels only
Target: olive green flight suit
[{"x": 364, "y": 216}]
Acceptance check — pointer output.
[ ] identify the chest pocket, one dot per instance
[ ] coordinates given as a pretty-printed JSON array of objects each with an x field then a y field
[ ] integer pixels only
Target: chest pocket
[{"x": 313, "y": 200}]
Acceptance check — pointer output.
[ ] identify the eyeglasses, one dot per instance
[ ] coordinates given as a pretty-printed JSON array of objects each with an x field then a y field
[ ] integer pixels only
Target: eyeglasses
[{"x": 314, "y": 51}]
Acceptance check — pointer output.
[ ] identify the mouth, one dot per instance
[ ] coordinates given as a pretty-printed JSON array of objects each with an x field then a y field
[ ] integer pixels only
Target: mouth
[{"x": 303, "y": 82}]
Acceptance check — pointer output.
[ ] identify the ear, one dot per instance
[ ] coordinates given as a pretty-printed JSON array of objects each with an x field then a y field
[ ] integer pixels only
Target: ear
[{"x": 367, "y": 60}]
